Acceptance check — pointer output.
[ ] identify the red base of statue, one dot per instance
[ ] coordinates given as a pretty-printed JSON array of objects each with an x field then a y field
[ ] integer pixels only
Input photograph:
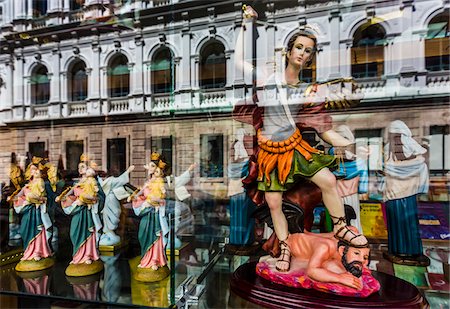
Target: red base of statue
[{"x": 394, "y": 293}]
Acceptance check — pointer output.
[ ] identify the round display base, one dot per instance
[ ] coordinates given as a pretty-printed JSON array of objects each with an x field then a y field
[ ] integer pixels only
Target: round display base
[
  {"x": 83, "y": 269},
  {"x": 394, "y": 293},
  {"x": 420, "y": 260},
  {"x": 150, "y": 275},
  {"x": 32, "y": 265},
  {"x": 242, "y": 250}
]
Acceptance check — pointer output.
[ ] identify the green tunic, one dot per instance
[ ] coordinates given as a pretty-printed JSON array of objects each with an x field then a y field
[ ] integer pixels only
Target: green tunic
[{"x": 301, "y": 168}]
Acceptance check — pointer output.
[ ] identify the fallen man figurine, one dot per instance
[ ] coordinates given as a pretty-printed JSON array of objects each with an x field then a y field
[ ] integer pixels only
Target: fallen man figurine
[{"x": 321, "y": 262}]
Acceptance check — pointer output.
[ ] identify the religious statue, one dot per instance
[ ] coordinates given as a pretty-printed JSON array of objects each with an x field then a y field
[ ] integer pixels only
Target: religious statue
[
  {"x": 114, "y": 192},
  {"x": 31, "y": 202},
  {"x": 405, "y": 176},
  {"x": 320, "y": 261},
  {"x": 82, "y": 202},
  {"x": 283, "y": 109},
  {"x": 147, "y": 204}
]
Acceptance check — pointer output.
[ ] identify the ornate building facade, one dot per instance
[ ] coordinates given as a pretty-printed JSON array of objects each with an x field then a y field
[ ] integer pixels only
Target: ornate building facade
[{"x": 118, "y": 79}]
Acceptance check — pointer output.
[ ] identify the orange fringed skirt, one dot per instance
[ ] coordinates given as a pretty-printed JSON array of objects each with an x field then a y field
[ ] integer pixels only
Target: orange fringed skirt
[{"x": 281, "y": 163}]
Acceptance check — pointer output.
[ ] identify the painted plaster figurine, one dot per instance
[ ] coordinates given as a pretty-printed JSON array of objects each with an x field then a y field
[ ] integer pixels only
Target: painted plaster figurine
[
  {"x": 112, "y": 210},
  {"x": 352, "y": 174},
  {"x": 82, "y": 203},
  {"x": 35, "y": 225},
  {"x": 322, "y": 262},
  {"x": 147, "y": 204},
  {"x": 406, "y": 176},
  {"x": 284, "y": 157}
]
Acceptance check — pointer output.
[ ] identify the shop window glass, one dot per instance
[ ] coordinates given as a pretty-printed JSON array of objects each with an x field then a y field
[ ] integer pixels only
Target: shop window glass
[
  {"x": 40, "y": 86},
  {"x": 212, "y": 69},
  {"x": 211, "y": 155},
  {"x": 74, "y": 149},
  {"x": 163, "y": 145},
  {"x": 371, "y": 140},
  {"x": 117, "y": 157},
  {"x": 76, "y": 4},
  {"x": 162, "y": 68},
  {"x": 308, "y": 74},
  {"x": 119, "y": 77},
  {"x": 368, "y": 51},
  {"x": 439, "y": 149},
  {"x": 39, "y": 8},
  {"x": 78, "y": 82},
  {"x": 437, "y": 53},
  {"x": 37, "y": 149}
]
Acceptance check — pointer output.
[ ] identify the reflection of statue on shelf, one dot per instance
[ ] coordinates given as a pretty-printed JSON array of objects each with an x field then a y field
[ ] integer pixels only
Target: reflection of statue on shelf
[
  {"x": 147, "y": 204},
  {"x": 85, "y": 287},
  {"x": 32, "y": 202},
  {"x": 406, "y": 176},
  {"x": 112, "y": 279},
  {"x": 36, "y": 282},
  {"x": 113, "y": 189},
  {"x": 83, "y": 203},
  {"x": 241, "y": 206},
  {"x": 322, "y": 262},
  {"x": 352, "y": 175}
]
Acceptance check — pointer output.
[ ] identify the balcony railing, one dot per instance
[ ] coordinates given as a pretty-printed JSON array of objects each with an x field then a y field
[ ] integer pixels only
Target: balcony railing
[
  {"x": 37, "y": 23},
  {"x": 75, "y": 16},
  {"x": 213, "y": 99},
  {"x": 438, "y": 80},
  {"x": 371, "y": 86},
  {"x": 118, "y": 105},
  {"x": 77, "y": 109},
  {"x": 162, "y": 102},
  {"x": 39, "y": 111}
]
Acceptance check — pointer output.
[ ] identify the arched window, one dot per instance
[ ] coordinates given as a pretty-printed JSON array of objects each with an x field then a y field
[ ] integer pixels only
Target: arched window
[
  {"x": 213, "y": 70},
  {"x": 368, "y": 51},
  {"x": 78, "y": 82},
  {"x": 162, "y": 70},
  {"x": 308, "y": 74},
  {"x": 76, "y": 4},
  {"x": 119, "y": 77},
  {"x": 437, "y": 45},
  {"x": 40, "y": 85},
  {"x": 39, "y": 8}
]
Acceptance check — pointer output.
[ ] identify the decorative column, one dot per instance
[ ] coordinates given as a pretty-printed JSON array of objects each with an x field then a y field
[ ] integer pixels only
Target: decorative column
[
  {"x": 54, "y": 6},
  {"x": 408, "y": 49},
  {"x": 229, "y": 68},
  {"x": 334, "y": 51},
  {"x": 18, "y": 81},
  {"x": 64, "y": 86},
  {"x": 131, "y": 74},
  {"x": 9, "y": 84},
  {"x": 185, "y": 81},
  {"x": 103, "y": 82},
  {"x": 18, "y": 9},
  {"x": 55, "y": 82},
  {"x": 29, "y": 12},
  {"x": 94, "y": 80},
  {"x": 139, "y": 70}
]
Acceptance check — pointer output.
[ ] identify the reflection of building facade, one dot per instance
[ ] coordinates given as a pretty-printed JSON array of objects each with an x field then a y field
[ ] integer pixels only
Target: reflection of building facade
[{"x": 160, "y": 75}]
